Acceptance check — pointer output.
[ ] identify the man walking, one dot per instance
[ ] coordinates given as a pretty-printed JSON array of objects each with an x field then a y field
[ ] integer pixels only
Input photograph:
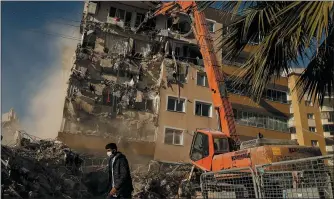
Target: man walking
[{"x": 120, "y": 182}]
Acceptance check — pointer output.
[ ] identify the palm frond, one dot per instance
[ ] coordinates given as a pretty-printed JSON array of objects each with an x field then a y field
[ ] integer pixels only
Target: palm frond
[
  {"x": 318, "y": 79},
  {"x": 289, "y": 30}
]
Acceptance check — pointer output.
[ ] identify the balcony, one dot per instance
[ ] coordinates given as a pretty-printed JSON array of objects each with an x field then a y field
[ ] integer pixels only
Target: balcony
[
  {"x": 329, "y": 134},
  {"x": 294, "y": 136},
  {"x": 327, "y": 108},
  {"x": 330, "y": 148},
  {"x": 326, "y": 121}
]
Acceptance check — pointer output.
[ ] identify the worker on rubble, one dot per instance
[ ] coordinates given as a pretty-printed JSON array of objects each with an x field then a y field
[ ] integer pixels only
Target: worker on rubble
[{"x": 120, "y": 182}]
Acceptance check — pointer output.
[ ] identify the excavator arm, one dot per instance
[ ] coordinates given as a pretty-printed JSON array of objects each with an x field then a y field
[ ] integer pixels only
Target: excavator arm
[{"x": 214, "y": 73}]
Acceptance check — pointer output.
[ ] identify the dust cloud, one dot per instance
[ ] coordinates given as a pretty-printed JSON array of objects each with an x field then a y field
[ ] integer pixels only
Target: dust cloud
[{"x": 45, "y": 106}]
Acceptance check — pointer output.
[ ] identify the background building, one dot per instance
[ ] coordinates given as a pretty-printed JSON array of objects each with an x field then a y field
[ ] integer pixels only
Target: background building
[{"x": 310, "y": 124}]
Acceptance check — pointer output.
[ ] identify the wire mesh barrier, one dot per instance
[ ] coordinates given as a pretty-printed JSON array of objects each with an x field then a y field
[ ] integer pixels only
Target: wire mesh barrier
[
  {"x": 301, "y": 178},
  {"x": 232, "y": 183}
]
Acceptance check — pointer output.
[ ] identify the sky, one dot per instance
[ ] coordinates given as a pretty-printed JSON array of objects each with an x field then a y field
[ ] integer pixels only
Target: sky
[{"x": 34, "y": 63}]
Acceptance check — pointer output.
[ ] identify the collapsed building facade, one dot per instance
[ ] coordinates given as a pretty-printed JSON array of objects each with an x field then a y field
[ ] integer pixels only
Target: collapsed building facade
[
  {"x": 146, "y": 89},
  {"x": 114, "y": 87}
]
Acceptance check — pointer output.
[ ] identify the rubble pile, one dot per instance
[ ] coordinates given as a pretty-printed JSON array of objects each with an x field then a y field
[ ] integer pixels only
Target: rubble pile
[
  {"x": 36, "y": 170},
  {"x": 159, "y": 180}
]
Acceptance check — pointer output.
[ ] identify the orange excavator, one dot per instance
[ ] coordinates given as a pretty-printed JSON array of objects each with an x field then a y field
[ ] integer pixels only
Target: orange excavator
[{"x": 214, "y": 150}]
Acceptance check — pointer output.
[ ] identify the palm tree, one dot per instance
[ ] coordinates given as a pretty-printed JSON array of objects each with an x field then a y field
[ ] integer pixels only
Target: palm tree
[{"x": 290, "y": 32}]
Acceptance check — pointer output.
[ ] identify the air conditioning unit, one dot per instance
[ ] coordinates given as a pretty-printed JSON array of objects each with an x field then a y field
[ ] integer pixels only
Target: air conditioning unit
[{"x": 92, "y": 8}]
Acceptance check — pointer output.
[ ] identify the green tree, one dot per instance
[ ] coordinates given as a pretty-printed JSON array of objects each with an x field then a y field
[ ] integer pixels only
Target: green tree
[{"x": 290, "y": 32}]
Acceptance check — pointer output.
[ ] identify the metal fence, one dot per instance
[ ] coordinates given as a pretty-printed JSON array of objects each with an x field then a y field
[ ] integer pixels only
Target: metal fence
[
  {"x": 232, "y": 183},
  {"x": 301, "y": 178}
]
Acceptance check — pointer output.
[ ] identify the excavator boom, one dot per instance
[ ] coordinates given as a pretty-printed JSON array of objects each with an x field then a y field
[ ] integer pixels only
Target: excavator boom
[{"x": 214, "y": 73}]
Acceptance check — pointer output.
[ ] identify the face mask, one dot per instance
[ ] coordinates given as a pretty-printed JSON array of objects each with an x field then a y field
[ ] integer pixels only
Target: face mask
[{"x": 109, "y": 153}]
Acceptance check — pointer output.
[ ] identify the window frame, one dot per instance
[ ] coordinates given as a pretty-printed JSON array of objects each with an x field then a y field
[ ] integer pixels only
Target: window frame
[
  {"x": 181, "y": 98},
  {"x": 316, "y": 143},
  {"x": 315, "y": 129},
  {"x": 312, "y": 114},
  {"x": 203, "y": 74},
  {"x": 203, "y": 102},
  {"x": 177, "y": 129},
  {"x": 213, "y": 27},
  {"x": 263, "y": 121}
]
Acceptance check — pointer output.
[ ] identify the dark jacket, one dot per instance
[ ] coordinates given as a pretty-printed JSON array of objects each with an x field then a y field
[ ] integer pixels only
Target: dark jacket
[{"x": 121, "y": 173}]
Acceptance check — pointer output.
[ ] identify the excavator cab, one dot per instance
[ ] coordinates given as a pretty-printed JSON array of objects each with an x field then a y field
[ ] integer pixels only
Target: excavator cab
[{"x": 206, "y": 144}]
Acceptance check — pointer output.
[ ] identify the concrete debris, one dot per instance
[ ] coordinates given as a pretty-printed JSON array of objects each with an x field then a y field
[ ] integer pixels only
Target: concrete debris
[
  {"x": 154, "y": 181},
  {"x": 159, "y": 180},
  {"x": 37, "y": 170}
]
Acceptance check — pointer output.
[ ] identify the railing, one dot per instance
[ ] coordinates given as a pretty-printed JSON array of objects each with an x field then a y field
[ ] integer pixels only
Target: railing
[{"x": 302, "y": 178}]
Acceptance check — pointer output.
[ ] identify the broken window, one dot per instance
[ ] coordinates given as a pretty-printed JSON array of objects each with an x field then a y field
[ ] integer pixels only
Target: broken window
[
  {"x": 176, "y": 105},
  {"x": 144, "y": 105},
  {"x": 203, "y": 109},
  {"x": 139, "y": 19},
  {"x": 211, "y": 26},
  {"x": 112, "y": 12},
  {"x": 202, "y": 79},
  {"x": 173, "y": 136},
  {"x": 120, "y": 14},
  {"x": 177, "y": 51},
  {"x": 128, "y": 16}
]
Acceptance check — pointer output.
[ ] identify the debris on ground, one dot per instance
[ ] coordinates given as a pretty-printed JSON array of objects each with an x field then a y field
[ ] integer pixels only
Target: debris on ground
[
  {"x": 44, "y": 169},
  {"x": 37, "y": 169},
  {"x": 158, "y": 180}
]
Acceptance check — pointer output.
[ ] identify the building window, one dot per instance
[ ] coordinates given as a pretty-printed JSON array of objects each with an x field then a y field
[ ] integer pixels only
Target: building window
[
  {"x": 292, "y": 129},
  {"x": 173, "y": 136},
  {"x": 308, "y": 103},
  {"x": 310, "y": 116},
  {"x": 112, "y": 12},
  {"x": 203, "y": 109},
  {"x": 259, "y": 120},
  {"x": 328, "y": 127},
  {"x": 174, "y": 104},
  {"x": 312, "y": 129},
  {"x": 211, "y": 26},
  {"x": 202, "y": 80},
  {"x": 314, "y": 143},
  {"x": 269, "y": 94},
  {"x": 139, "y": 19},
  {"x": 274, "y": 95}
]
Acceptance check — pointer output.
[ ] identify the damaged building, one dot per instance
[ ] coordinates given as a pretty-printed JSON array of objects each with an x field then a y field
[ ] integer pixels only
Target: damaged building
[
  {"x": 142, "y": 84},
  {"x": 9, "y": 125}
]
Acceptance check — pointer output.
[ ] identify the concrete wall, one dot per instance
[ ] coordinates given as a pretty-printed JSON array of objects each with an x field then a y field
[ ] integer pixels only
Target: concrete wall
[
  {"x": 188, "y": 121},
  {"x": 136, "y": 151}
]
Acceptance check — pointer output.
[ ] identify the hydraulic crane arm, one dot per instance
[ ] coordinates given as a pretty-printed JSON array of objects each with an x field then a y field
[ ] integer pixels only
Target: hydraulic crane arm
[{"x": 212, "y": 69}]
